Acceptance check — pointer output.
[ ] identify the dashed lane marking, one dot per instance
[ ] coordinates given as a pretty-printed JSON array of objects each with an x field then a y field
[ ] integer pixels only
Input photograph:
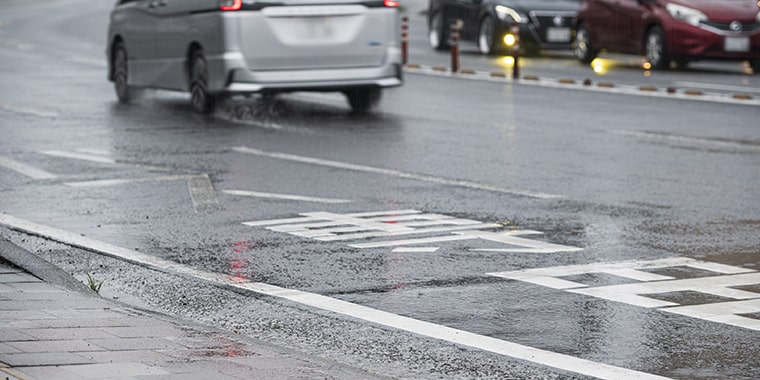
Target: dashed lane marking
[
  {"x": 25, "y": 169},
  {"x": 390, "y": 172},
  {"x": 363, "y": 313},
  {"x": 80, "y": 156},
  {"x": 717, "y": 86},
  {"x": 415, "y": 249},
  {"x": 28, "y": 111},
  {"x": 586, "y": 86},
  {"x": 202, "y": 192},
  {"x": 289, "y": 197}
]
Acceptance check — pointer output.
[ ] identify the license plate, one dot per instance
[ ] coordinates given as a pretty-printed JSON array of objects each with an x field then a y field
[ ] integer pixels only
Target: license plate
[
  {"x": 311, "y": 28},
  {"x": 558, "y": 34},
  {"x": 736, "y": 44}
]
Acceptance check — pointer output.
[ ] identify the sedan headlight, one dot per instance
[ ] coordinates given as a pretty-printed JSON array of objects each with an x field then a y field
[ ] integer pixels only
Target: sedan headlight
[
  {"x": 688, "y": 15},
  {"x": 506, "y": 13}
]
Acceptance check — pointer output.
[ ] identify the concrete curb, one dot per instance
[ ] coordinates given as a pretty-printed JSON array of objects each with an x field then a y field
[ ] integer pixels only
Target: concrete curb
[{"x": 40, "y": 268}]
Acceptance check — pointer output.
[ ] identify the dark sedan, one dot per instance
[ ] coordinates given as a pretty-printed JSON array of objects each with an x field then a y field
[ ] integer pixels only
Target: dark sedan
[{"x": 544, "y": 24}]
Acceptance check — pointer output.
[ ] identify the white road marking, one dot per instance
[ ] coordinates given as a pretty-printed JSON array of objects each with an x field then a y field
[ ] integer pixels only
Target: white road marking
[
  {"x": 327, "y": 226},
  {"x": 288, "y": 197},
  {"x": 25, "y": 170},
  {"x": 390, "y": 172},
  {"x": 202, "y": 193},
  {"x": 723, "y": 312},
  {"x": 415, "y": 249},
  {"x": 28, "y": 111},
  {"x": 618, "y": 89},
  {"x": 725, "y": 284},
  {"x": 201, "y": 189},
  {"x": 427, "y": 329},
  {"x": 690, "y": 140},
  {"x": 79, "y": 156},
  {"x": 124, "y": 181},
  {"x": 716, "y": 86}
]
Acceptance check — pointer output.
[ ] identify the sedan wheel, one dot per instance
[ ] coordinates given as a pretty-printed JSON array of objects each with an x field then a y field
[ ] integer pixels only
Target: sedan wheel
[
  {"x": 486, "y": 36},
  {"x": 655, "y": 49},
  {"x": 120, "y": 74},
  {"x": 202, "y": 101},
  {"x": 437, "y": 33},
  {"x": 582, "y": 48}
]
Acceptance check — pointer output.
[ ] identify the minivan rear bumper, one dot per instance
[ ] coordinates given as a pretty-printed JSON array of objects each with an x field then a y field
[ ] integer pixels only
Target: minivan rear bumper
[{"x": 234, "y": 77}]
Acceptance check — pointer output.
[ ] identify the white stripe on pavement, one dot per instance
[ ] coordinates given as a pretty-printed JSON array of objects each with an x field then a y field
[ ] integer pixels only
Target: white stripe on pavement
[
  {"x": 79, "y": 156},
  {"x": 390, "y": 172},
  {"x": 28, "y": 111},
  {"x": 25, "y": 169},
  {"x": 288, "y": 197},
  {"x": 448, "y": 334}
]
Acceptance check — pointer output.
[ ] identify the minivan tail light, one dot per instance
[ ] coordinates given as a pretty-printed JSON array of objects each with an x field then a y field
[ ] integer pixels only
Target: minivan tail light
[
  {"x": 390, "y": 3},
  {"x": 230, "y": 5}
]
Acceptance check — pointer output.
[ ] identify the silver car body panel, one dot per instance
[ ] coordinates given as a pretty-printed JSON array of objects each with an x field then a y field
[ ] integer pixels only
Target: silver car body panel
[{"x": 291, "y": 46}]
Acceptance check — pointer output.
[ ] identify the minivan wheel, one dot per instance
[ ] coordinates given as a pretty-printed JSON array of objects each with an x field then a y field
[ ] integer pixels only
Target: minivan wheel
[
  {"x": 486, "y": 36},
  {"x": 121, "y": 73},
  {"x": 202, "y": 101},
  {"x": 437, "y": 35},
  {"x": 363, "y": 99},
  {"x": 655, "y": 50},
  {"x": 582, "y": 48}
]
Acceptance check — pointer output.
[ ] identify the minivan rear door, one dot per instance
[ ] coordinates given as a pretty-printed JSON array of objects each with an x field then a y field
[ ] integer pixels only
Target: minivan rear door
[{"x": 298, "y": 34}]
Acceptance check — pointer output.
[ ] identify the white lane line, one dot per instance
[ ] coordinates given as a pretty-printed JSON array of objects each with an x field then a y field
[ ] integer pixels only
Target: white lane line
[
  {"x": 123, "y": 181},
  {"x": 390, "y": 172},
  {"x": 288, "y": 197},
  {"x": 79, "y": 156},
  {"x": 25, "y": 169},
  {"x": 415, "y": 249},
  {"x": 427, "y": 329},
  {"x": 690, "y": 139},
  {"x": 717, "y": 86},
  {"x": 554, "y": 83},
  {"x": 202, "y": 193},
  {"x": 28, "y": 111}
]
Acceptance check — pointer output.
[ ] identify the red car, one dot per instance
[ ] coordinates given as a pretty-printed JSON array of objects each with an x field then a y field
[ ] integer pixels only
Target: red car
[{"x": 666, "y": 31}]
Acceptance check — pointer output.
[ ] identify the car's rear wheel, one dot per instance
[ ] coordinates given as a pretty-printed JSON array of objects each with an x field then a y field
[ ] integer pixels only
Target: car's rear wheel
[
  {"x": 755, "y": 63},
  {"x": 121, "y": 73},
  {"x": 363, "y": 99},
  {"x": 437, "y": 35},
  {"x": 655, "y": 49},
  {"x": 486, "y": 36},
  {"x": 202, "y": 101},
  {"x": 582, "y": 48}
]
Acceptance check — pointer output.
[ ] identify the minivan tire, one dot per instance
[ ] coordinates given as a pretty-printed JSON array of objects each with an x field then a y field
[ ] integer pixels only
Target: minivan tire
[
  {"x": 363, "y": 99},
  {"x": 202, "y": 101},
  {"x": 655, "y": 48},
  {"x": 582, "y": 48},
  {"x": 124, "y": 91}
]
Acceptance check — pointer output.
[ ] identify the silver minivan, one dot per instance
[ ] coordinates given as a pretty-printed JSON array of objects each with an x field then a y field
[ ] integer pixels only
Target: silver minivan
[{"x": 213, "y": 48}]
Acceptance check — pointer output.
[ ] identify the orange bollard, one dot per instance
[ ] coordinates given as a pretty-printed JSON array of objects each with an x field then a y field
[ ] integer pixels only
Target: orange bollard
[
  {"x": 405, "y": 40},
  {"x": 456, "y": 26},
  {"x": 515, "y": 30}
]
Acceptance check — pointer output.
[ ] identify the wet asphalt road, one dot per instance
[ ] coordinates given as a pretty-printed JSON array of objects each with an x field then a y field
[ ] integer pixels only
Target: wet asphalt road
[{"x": 621, "y": 177}]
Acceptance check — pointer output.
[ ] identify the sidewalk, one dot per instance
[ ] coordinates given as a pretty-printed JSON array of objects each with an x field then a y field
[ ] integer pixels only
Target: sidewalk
[{"x": 54, "y": 331}]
